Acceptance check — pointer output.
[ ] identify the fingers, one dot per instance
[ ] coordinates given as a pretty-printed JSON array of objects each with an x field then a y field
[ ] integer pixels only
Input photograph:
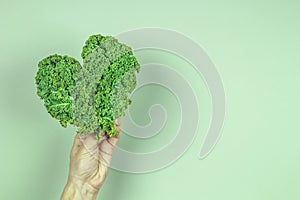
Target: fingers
[
  {"x": 117, "y": 124},
  {"x": 113, "y": 140},
  {"x": 76, "y": 145},
  {"x": 91, "y": 144},
  {"x": 106, "y": 149},
  {"x": 109, "y": 144},
  {"x": 77, "y": 141},
  {"x": 118, "y": 129},
  {"x": 89, "y": 140},
  {"x": 85, "y": 144}
]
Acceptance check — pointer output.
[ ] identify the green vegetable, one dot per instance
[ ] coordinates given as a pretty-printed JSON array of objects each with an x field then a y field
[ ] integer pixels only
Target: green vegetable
[{"x": 93, "y": 95}]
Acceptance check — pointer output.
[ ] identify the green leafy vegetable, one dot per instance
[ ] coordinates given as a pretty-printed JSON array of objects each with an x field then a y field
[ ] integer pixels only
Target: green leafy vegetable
[
  {"x": 55, "y": 81},
  {"x": 90, "y": 97}
]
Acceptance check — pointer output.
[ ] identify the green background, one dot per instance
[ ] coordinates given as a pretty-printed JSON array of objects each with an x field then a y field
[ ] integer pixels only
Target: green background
[{"x": 255, "y": 46}]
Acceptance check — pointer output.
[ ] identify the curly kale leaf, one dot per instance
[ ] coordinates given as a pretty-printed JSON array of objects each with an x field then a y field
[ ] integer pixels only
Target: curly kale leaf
[
  {"x": 90, "y": 97},
  {"x": 111, "y": 69},
  {"x": 55, "y": 81}
]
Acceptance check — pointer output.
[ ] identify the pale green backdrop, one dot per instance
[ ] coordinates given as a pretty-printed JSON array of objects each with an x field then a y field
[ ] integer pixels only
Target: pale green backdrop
[{"x": 255, "y": 45}]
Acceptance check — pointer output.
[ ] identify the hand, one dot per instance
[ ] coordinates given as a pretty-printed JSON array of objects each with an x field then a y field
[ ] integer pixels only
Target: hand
[{"x": 89, "y": 164}]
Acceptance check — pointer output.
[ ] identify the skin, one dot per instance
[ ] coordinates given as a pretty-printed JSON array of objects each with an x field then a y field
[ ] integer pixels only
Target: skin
[{"x": 89, "y": 164}]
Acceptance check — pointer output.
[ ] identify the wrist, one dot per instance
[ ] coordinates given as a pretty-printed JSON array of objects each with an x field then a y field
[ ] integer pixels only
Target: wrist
[{"x": 78, "y": 190}]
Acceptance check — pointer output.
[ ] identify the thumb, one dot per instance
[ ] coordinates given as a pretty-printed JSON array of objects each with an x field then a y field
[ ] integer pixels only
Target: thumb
[{"x": 114, "y": 140}]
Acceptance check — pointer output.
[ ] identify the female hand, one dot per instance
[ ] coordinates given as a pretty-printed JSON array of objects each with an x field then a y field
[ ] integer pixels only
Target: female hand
[{"x": 89, "y": 164}]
